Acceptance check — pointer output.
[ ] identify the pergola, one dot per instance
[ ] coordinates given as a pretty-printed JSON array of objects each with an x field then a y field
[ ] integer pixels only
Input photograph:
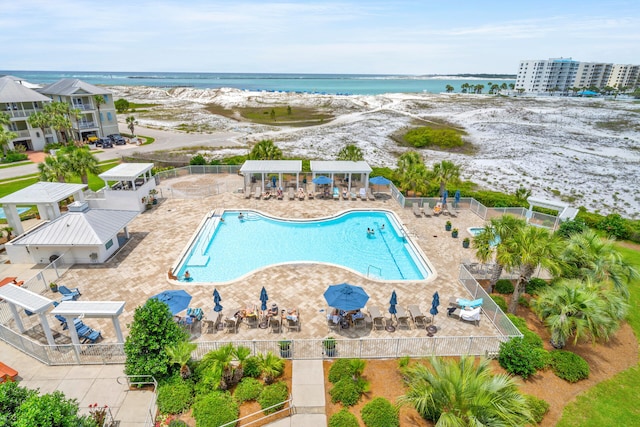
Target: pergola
[
  {"x": 565, "y": 212},
  {"x": 128, "y": 176},
  {"x": 90, "y": 309},
  {"x": 45, "y": 195},
  {"x": 342, "y": 167},
  {"x": 266, "y": 167},
  {"x": 30, "y": 301}
]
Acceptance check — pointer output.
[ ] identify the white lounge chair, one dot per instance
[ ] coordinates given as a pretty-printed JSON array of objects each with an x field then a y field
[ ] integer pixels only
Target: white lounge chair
[
  {"x": 472, "y": 315},
  {"x": 247, "y": 193},
  {"x": 292, "y": 194},
  {"x": 370, "y": 195},
  {"x": 416, "y": 209},
  {"x": 363, "y": 194},
  {"x": 258, "y": 193}
]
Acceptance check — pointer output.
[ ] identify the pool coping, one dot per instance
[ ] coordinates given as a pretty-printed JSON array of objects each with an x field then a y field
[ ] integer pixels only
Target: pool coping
[{"x": 219, "y": 212}]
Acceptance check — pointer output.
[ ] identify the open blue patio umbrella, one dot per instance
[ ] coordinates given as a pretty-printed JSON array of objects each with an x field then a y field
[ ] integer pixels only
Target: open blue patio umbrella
[
  {"x": 456, "y": 198},
  {"x": 379, "y": 180},
  {"x": 434, "y": 304},
  {"x": 321, "y": 180},
  {"x": 346, "y": 297},
  {"x": 177, "y": 300},
  {"x": 392, "y": 303},
  {"x": 216, "y": 299},
  {"x": 263, "y": 298}
]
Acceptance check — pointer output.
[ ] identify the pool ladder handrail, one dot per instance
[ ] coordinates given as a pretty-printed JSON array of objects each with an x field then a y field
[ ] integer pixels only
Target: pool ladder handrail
[{"x": 375, "y": 267}]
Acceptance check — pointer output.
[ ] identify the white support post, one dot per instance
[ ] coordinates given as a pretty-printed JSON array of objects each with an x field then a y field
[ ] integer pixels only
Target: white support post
[
  {"x": 16, "y": 317},
  {"x": 116, "y": 326},
  {"x": 45, "y": 327}
]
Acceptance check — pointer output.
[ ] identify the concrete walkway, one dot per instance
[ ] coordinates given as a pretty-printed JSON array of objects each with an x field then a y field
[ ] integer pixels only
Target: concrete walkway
[
  {"x": 88, "y": 384},
  {"x": 308, "y": 395}
]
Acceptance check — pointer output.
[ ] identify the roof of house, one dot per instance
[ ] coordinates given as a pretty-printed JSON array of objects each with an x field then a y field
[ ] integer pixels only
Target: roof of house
[
  {"x": 12, "y": 91},
  {"x": 88, "y": 228},
  {"x": 126, "y": 171},
  {"x": 69, "y": 87},
  {"x": 339, "y": 166},
  {"x": 42, "y": 192},
  {"x": 271, "y": 166}
]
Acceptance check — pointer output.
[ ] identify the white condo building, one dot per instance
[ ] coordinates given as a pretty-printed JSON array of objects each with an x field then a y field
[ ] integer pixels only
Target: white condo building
[{"x": 563, "y": 74}]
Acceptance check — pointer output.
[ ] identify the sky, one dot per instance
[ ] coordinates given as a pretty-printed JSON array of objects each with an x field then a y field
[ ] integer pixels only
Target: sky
[{"x": 351, "y": 36}]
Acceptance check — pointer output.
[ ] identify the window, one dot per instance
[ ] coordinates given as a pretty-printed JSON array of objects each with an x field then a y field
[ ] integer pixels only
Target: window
[
  {"x": 109, "y": 115},
  {"x": 106, "y": 98},
  {"x": 101, "y": 117},
  {"x": 108, "y": 244}
]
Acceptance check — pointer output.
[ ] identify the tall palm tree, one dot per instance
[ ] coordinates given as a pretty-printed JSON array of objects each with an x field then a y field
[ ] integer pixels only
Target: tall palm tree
[
  {"x": 493, "y": 239},
  {"x": 270, "y": 365},
  {"x": 265, "y": 150},
  {"x": 99, "y": 100},
  {"x": 522, "y": 194},
  {"x": 351, "y": 152},
  {"x": 443, "y": 173},
  {"x": 131, "y": 124},
  {"x": 6, "y": 137},
  {"x": 589, "y": 256},
  {"x": 577, "y": 309},
  {"x": 40, "y": 120},
  {"x": 449, "y": 88},
  {"x": 55, "y": 168},
  {"x": 180, "y": 353},
  {"x": 527, "y": 249},
  {"x": 465, "y": 393},
  {"x": 81, "y": 163},
  {"x": 411, "y": 173}
]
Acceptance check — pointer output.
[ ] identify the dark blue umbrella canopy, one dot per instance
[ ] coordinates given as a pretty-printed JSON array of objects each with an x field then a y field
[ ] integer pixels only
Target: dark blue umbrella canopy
[
  {"x": 321, "y": 180},
  {"x": 379, "y": 180},
  {"x": 273, "y": 181},
  {"x": 346, "y": 297},
  {"x": 177, "y": 300},
  {"x": 444, "y": 197},
  {"x": 216, "y": 299},
  {"x": 392, "y": 303},
  {"x": 263, "y": 298},
  {"x": 435, "y": 303},
  {"x": 457, "y": 196}
]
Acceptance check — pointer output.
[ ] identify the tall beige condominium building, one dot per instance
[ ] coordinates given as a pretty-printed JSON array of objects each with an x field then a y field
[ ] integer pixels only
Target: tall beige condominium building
[{"x": 624, "y": 76}]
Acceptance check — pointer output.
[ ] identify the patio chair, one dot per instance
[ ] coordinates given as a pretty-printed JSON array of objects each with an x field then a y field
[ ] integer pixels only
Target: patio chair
[
  {"x": 336, "y": 193},
  {"x": 310, "y": 195},
  {"x": 402, "y": 318},
  {"x": 231, "y": 325},
  {"x": 292, "y": 194},
  {"x": 275, "y": 325},
  {"x": 63, "y": 321},
  {"x": 69, "y": 294},
  {"x": 419, "y": 319},
  {"x": 416, "y": 209},
  {"x": 345, "y": 194},
  {"x": 293, "y": 325},
  {"x": 437, "y": 209},
  {"x": 252, "y": 321},
  {"x": 378, "y": 320},
  {"x": 92, "y": 337},
  {"x": 360, "y": 323},
  {"x": 472, "y": 315},
  {"x": 370, "y": 195},
  {"x": 363, "y": 194},
  {"x": 258, "y": 193},
  {"x": 354, "y": 196},
  {"x": 247, "y": 193},
  {"x": 333, "y": 326}
]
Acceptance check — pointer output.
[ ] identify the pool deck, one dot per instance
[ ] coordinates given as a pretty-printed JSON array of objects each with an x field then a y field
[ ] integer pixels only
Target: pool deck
[{"x": 158, "y": 236}]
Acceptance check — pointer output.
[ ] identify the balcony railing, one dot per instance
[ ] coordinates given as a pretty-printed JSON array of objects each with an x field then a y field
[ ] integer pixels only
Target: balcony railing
[
  {"x": 83, "y": 107},
  {"x": 22, "y": 133},
  {"x": 20, "y": 113},
  {"x": 87, "y": 125}
]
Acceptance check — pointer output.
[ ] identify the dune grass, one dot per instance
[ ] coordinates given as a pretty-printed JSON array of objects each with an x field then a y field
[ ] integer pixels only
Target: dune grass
[
  {"x": 612, "y": 402},
  {"x": 275, "y": 115}
]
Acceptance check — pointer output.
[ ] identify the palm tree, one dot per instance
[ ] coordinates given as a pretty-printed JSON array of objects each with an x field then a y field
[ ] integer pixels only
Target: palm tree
[
  {"x": 411, "y": 172},
  {"x": 351, "y": 152},
  {"x": 465, "y": 393},
  {"x": 180, "y": 353},
  {"x": 271, "y": 366},
  {"x": 6, "y": 137},
  {"x": 81, "y": 162},
  {"x": 265, "y": 150},
  {"x": 449, "y": 88},
  {"x": 40, "y": 120},
  {"x": 99, "y": 100},
  {"x": 577, "y": 309},
  {"x": 493, "y": 239},
  {"x": 503, "y": 86},
  {"x": 512, "y": 86},
  {"x": 589, "y": 256},
  {"x": 55, "y": 168},
  {"x": 522, "y": 194},
  {"x": 443, "y": 173},
  {"x": 528, "y": 248},
  {"x": 131, "y": 124}
]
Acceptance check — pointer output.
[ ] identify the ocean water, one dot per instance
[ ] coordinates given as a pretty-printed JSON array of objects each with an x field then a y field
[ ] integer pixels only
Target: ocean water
[{"x": 351, "y": 84}]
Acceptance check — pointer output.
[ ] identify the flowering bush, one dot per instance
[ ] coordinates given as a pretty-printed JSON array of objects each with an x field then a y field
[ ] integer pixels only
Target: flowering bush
[{"x": 99, "y": 414}]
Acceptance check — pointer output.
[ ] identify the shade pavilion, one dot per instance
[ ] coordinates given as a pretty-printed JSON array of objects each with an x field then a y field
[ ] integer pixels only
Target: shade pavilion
[
  {"x": 342, "y": 168},
  {"x": 264, "y": 168}
]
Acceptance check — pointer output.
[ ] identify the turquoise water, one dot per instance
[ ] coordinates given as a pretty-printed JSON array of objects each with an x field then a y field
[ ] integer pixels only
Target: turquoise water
[
  {"x": 477, "y": 230},
  {"x": 20, "y": 211},
  {"x": 237, "y": 247},
  {"x": 356, "y": 84}
]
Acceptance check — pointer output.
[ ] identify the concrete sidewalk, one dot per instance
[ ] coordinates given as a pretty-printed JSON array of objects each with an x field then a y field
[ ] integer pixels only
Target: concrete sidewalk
[{"x": 88, "y": 384}]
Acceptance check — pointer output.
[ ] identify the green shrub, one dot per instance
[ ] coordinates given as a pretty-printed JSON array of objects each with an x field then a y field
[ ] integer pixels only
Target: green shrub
[
  {"x": 215, "y": 409},
  {"x": 344, "y": 418},
  {"x": 504, "y": 286},
  {"x": 11, "y": 397},
  {"x": 534, "y": 285},
  {"x": 523, "y": 302},
  {"x": 500, "y": 302},
  {"x": 428, "y": 137},
  {"x": 251, "y": 367},
  {"x": 248, "y": 389},
  {"x": 613, "y": 225},
  {"x": 174, "y": 398},
  {"x": 569, "y": 366},
  {"x": 529, "y": 336},
  {"x": 380, "y": 413},
  {"x": 543, "y": 358},
  {"x": 340, "y": 369},
  {"x": 403, "y": 362},
  {"x": 272, "y": 395},
  {"x": 198, "y": 159},
  {"x": 567, "y": 228},
  {"x": 14, "y": 156},
  {"x": 52, "y": 409},
  {"x": 518, "y": 357},
  {"x": 347, "y": 391},
  {"x": 178, "y": 423},
  {"x": 537, "y": 406}
]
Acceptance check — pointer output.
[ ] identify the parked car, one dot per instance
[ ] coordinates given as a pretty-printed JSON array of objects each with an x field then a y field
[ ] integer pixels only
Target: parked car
[
  {"x": 91, "y": 139},
  {"x": 117, "y": 139},
  {"x": 104, "y": 143}
]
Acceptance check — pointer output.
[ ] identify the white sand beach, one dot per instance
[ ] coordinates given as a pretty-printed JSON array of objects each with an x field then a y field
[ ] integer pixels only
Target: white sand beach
[{"x": 584, "y": 151}]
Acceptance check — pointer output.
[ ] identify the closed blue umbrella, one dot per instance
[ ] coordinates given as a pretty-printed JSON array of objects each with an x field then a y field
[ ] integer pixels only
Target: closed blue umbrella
[
  {"x": 392, "y": 303},
  {"x": 273, "y": 182},
  {"x": 176, "y": 300},
  {"x": 216, "y": 299},
  {"x": 263, "y": 298},
  {"x": 444, "y": 197},
  {"x": 434, "y": 304},
  {"x": 321, "y": 180},
  {"x": 456, "y": 198},
  {"x": 346, "y": 297}
]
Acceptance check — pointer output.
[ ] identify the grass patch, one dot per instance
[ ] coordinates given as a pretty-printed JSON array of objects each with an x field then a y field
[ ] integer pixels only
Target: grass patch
[
  {"x": 134, "y": 107},
  {"x": 614, "y": 399},
  {"x": 14, "y": 164},
  {"x": 618, "y": 125},
  {"x": 435, "y": 135},
  {"x": 275, "y": 115}
]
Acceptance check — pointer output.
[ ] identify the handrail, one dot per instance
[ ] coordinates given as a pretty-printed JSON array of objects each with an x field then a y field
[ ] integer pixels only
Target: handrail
[
  {"x": 289, "y": 408},
  {"x": 373, "y": 266}
]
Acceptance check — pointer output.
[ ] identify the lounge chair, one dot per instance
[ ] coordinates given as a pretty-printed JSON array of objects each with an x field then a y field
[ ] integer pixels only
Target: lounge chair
[
  {"x": 376, "y": 316},
  {"x": 472, "y": 315},
  {"x": 63, "y": 321},
  {"x": 266, "y": 195},
  {"x": 419, "y": 319},
  {"x": 292, "y": 194},
  {"x": 274, "y": 324},
  {"x": 402, "y": 318},
  {"x": 425, "y": 211},
  {"x": 247, "y": 193},
  {"x": 437, "y": 209},
  {"x": 465, "y": 303},
  {"x": 336, "y": 193},
  {"x": 69, "y": 294},
  {"x": 258, "y": 193},
  {"x": 294, "y": 324},
  {"x": 310, "y": 195},
  {"x": 354, "y": 196},
  {"x": 345, "y": 194},
  {"x": 279, "y": 194},
  {"x": 231, "y": 325},
  {"x": 370, "y": 195},
  {"x": 416, "y": 209},
  {"x": 300, "y": 194},
  {"x": 363, "y": 194},
  {"x": 92, "y": 336}
]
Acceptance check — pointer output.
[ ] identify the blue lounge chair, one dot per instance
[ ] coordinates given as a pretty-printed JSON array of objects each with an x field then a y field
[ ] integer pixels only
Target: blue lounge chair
[
  {"x": 92, "y": 337},
  {"x": 467, "y": 303},
  {"x": 336, "y": 193},
  {"x": 69, "y": 294},
  {"x": 63, "y": 321}
]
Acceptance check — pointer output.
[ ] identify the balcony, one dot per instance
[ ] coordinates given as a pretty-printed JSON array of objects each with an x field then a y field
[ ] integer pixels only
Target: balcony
[
  {"x": 20, "y": 113},
  {"x": 83, "y": 107},
  {"x": 86, "y": 125},
  {"x": 22, "y": 133}
]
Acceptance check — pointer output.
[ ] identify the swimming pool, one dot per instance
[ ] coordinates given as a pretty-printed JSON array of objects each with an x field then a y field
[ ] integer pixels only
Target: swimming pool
[
  {"x": 474, "y": 231},
  {"x": 228, "y": 250},
  {"x": 20, "y": 212}
]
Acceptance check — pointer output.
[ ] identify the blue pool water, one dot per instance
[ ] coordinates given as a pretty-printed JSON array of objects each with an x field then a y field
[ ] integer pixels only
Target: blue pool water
[
  {"x": 20, "y": 211},
  {"x": 225, "y": 251},
  {"x": 474, "y": 231}
]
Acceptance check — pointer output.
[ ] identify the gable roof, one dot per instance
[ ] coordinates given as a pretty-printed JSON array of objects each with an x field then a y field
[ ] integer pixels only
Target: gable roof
[
  {"x": 88, "y": 228},
  {"x": 68, "y": 87},
  {"x": 12, "y": 91}
]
